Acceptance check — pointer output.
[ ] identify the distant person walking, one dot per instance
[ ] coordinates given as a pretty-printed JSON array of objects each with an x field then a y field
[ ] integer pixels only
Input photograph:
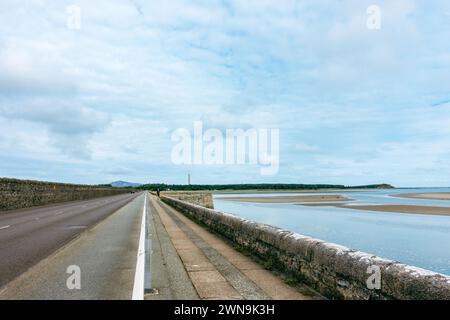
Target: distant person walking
[{"x": 158, "y": 193}]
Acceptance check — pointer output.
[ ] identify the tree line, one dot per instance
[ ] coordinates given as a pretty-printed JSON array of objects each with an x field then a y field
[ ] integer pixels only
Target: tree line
[{"x": 258, "y": 186}]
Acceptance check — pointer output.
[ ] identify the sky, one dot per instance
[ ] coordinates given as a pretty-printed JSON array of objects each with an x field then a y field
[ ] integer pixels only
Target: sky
[{"x": 99, "y": 101}]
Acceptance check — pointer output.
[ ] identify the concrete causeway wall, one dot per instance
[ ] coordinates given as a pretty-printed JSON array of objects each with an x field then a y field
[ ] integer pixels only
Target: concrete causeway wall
[
  {"x": 203, "y": 199},
  {"x": 335, "y": 271},
  {"x": 17, "y": 194}
]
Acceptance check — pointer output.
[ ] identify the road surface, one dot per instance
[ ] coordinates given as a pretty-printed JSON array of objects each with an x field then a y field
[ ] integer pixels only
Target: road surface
[
  {"x": 31, "y": 235},
  {"x": 96, "y": 249}
]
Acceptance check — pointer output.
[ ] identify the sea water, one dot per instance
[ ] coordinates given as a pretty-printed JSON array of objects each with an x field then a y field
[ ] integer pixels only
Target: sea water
[{"x": 418, "y": 240}]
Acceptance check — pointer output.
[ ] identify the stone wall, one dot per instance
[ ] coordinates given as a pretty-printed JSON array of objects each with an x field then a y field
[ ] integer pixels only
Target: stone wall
[
  {"x": 203, "y": 199},
  {"x": 335, "y": 271},
  {"x": 17, "y": 194}
]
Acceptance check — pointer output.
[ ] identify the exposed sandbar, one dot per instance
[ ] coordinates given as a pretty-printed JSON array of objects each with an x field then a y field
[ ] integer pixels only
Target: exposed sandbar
[
  {"x": 411, "y": 209},
  {"x": 426, "y": 196},
  {"x": 324, "y": 204},
  {"x": 288, "y": 199}
]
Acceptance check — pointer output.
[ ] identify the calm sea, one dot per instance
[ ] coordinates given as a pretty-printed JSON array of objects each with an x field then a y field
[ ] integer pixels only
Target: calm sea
[{"x": 418, "y": 240}]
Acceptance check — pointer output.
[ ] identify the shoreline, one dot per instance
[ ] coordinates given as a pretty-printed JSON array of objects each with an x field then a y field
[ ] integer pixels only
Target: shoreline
[
  {"x": 408, "y": 209},
  {"x": 424, "y": 196},
  {"x": 341, "y": 201},
  {"x": 287, "y": 199},
  {"x": 258, "y": 191},
  {"x": 389, "y": 208}
]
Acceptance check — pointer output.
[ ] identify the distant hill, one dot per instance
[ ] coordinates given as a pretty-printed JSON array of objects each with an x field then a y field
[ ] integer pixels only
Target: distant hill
[{"x": 124, "y": 184}]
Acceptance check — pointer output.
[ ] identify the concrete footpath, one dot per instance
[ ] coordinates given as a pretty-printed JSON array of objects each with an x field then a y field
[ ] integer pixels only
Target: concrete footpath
[{"x": 189, "y": 262}]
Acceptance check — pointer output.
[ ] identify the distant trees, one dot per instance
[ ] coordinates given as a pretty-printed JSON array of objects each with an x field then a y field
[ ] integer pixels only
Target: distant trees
[{"x": 264, "y": 186}]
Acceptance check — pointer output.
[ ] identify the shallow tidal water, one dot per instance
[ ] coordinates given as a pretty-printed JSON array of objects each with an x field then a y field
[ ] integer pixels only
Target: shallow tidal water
[{"x": 418, "y": 240}]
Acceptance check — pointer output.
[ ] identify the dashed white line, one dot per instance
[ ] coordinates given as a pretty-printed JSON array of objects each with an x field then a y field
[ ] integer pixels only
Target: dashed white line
[{"x": 4, "y": 227}]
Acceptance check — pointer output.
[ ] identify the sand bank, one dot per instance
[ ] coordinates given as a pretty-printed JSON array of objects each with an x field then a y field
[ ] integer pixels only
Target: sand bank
[
  {"x": 411, "y": 209},
  {"x": 288, "y": 199},
  {"x": 426, "y": 196},
  {"x": 270, "y": 191},
  {"x": 324, "y": 204}
]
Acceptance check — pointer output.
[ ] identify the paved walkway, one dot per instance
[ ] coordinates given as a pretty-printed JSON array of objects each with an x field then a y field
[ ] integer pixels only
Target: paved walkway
[{"x": 189, "y": 262}]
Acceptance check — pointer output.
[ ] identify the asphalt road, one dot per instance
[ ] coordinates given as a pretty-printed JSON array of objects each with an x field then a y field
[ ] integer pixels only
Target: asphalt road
[
  {"x": 105, "y": 256},
  {"x": 30, "y": 235}
]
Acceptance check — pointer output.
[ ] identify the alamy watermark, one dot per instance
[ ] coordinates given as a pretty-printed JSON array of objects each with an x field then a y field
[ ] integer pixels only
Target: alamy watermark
[
  {"x": 229, "y": 147},
  {"x": 73, "y": 21},
  {"x": 73, "y": 282},
  {"x": 374, "y": 280},
  {"x": 373, "y": 21}
]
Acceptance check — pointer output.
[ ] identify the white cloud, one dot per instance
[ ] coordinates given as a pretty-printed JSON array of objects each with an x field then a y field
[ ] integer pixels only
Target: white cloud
[
  {"x": 304, "y": 147},
  {"x": 113, "y": 91}
]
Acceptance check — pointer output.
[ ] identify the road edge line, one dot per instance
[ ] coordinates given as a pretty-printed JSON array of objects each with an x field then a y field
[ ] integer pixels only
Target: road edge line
[{"x": 138, "y": 287}]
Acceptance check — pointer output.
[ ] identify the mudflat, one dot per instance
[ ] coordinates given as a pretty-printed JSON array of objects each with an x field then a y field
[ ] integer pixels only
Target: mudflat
[
  {"x": 411, "y": 209},
  {"x": 324, "y": 204},
  {"x": 426, "y": 196},
  {"x": 288, "y": 199}
]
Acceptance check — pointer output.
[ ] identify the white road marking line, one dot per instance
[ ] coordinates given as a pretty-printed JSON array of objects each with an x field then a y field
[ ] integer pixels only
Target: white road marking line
[
  {"x": 138, "y": 288},
  {"x": 5, "y": 227}
]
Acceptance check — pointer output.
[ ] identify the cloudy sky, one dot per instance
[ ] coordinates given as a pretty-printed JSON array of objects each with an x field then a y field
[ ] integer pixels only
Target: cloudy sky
[{"x": 99, "y": 103}]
